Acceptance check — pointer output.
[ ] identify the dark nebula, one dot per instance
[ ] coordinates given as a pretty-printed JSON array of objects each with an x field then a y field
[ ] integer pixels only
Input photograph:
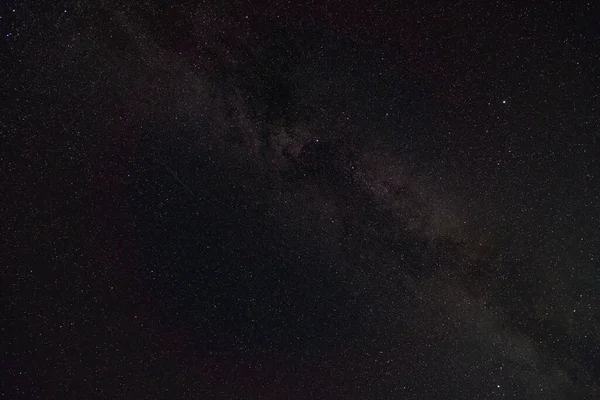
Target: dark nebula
[{"x": 300, "y": 201}]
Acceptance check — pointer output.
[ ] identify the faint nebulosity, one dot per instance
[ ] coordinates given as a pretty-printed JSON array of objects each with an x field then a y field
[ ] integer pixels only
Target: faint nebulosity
[{"x": 326, "y": 200}]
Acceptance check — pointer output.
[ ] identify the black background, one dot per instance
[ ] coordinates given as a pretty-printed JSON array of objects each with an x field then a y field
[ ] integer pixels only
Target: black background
[{"x": 319, "y": 200}]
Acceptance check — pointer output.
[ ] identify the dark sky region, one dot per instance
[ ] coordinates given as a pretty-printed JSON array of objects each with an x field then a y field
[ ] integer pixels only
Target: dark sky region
[{"x": 286, "y": 200}]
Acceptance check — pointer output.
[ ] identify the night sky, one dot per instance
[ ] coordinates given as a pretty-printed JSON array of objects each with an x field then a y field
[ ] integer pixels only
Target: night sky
[{"x": 286, "y": 200}]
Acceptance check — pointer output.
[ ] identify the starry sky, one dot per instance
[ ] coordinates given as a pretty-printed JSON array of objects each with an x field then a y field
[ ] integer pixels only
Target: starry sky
[{"x": 300, "y": 200}]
